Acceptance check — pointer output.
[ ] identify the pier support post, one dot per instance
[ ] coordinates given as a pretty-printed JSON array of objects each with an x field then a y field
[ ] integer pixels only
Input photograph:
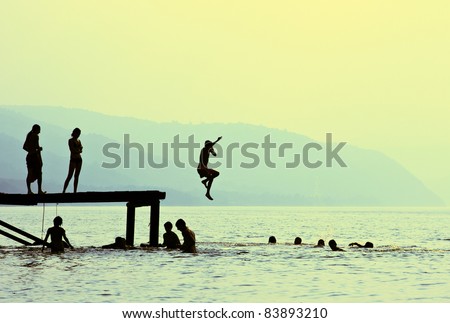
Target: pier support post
[
  {"x": 131, "y": 219},
  {"x": 154, "y": 223}
]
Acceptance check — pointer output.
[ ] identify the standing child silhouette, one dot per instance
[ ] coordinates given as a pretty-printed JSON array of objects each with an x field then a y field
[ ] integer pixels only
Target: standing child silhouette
[{"x": 57, "y": 234}]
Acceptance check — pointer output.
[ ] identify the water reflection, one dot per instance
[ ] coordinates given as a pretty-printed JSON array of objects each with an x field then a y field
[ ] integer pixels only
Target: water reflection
[{"x": 404, "y": 266}]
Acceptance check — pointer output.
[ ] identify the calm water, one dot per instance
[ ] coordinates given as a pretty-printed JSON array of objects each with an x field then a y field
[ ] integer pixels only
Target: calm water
[{"x": 410, "y": 261}]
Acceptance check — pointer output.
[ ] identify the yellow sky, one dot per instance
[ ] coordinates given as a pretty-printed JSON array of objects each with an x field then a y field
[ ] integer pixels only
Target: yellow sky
[{"x": 375, "y": 73}]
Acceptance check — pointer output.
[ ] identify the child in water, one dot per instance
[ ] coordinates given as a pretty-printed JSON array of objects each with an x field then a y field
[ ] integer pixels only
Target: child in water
[
  {"x": 171, "y": 240},
  {"x": 57, "y": 235},
  {"x": 188, "y": 236},
  {"x": 76, "y": 161}
]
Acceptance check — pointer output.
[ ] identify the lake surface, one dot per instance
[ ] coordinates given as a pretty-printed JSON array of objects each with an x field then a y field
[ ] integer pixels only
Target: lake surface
[{"x": 409, "y": 263}]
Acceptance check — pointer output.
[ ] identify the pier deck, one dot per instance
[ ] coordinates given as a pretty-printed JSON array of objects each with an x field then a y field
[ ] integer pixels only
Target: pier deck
[
  {"x": 145, "y": 197},
  {"x": 132, "y": 198}
]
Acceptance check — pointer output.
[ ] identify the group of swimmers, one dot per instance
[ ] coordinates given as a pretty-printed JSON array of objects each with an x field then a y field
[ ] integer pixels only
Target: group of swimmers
[
  {"x": 332, "y": 243},
  {"x": 59, "y": 240},
  {"x": 170, "y": 239}
]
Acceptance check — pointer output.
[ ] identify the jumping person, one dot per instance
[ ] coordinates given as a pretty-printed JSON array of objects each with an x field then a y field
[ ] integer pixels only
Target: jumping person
[
  {"x": 203, "y": 170},
  {"x": 76, "y": 162},
  {"x": 34, "y": 159}
]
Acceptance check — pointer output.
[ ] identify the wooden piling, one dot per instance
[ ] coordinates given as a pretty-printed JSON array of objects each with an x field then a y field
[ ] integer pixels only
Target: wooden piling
[
  {"x": 154, "y": 223},
  {"x": 131, "y": 220}
]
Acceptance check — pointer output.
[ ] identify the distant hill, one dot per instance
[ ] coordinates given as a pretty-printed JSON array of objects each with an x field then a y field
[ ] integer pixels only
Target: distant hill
[{"x": 370, "y": 177}]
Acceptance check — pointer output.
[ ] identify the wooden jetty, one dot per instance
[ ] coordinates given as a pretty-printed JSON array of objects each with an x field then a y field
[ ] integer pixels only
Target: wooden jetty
[{"x": 133, "y": 200}]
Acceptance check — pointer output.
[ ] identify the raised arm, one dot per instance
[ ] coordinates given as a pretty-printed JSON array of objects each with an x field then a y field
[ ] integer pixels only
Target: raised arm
[
  {"x": 211, "y": 149},
  {"x": 217, "y": 140}
]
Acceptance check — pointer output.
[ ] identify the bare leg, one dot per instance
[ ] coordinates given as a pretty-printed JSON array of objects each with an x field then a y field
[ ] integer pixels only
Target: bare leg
[
  {"x": 208, "y": 189},
  {"x": 208, "y": 182},
  {"x": 205, "y": 183},
  {"x": 29, "y": 185},
  {"x": 69, "y": 177},
  {"x": 39, "y": 180},
  {"x": 75, "y": 182}
]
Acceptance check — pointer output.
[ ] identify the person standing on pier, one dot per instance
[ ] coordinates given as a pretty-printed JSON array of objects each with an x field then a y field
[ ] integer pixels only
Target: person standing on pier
[
  {"x": 188, "y": 237},
  {"x": 76, "y": 161},
  {"x": 202, "y": 168},
  {"x": 34, "y": 159},
  {"x": 57, "y": 234}
]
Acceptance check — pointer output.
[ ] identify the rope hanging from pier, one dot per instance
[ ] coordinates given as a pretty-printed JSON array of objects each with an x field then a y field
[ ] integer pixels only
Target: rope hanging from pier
[{"x": 43, "y": 218}]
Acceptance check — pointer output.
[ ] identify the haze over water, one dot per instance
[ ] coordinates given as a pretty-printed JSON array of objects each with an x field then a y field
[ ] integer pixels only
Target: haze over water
[{"x": 410, "y": 261}]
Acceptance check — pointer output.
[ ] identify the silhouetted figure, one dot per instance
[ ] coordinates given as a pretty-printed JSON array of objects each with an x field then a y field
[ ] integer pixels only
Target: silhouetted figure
[
  {"x": 57, "y": 234},
  {"x": 333, "y": 246},
  {"x": 298, "y": 240},
  {"x": 367, "y": 245},
  {"x": 320, "y": 244},
  {"x": 188, "y": 237},
  {"x": 272, "y": 239},
  {"x": 170, "y": 238},
  {"x": 34, "y": 159},
  {"x": 76, "y": 161},
  {"x": 119, "y": 243},
  {"x": 202, "y": 168}
]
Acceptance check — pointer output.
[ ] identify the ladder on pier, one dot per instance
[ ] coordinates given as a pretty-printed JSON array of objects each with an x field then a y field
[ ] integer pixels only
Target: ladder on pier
[{"x": 36, "y": 240}]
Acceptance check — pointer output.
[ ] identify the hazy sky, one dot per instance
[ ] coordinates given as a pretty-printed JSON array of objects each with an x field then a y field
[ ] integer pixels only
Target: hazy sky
[{"x": 375, "y": 73}]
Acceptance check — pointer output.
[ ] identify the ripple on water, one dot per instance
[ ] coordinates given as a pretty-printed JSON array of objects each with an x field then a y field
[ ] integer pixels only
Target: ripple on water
[{"x": 243, "y": 267}]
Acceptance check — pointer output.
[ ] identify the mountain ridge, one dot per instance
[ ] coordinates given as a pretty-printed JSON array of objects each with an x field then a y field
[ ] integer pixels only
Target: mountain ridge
[{"x": 370, "y": 178}]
